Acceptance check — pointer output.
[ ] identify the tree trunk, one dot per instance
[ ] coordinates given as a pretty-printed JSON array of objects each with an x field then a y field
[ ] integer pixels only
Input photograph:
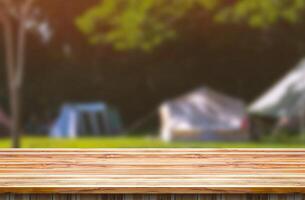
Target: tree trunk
[
  {"x": 15, "y": 62},
  {"x": 15, "y": 70},
  {"x": 16, "y": 89},
  {"x": 14, "y": 92},
  {"x": 15, "y": 96}
]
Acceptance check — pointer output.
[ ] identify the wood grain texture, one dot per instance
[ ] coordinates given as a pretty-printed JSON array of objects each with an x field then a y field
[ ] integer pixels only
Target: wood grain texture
[
  {"x": 151, "y": 197},
  {"x": 152, "y": 171}
]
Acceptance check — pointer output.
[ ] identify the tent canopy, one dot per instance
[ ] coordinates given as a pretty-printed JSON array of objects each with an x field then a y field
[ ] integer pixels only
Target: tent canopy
[
  {"x": 83, "y": 119},
  {"x": 202, "y": 110},
  {"x": 285, "y": 98}
]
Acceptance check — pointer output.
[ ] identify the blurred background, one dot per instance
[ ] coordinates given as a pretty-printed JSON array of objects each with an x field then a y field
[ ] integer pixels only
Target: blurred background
[{"x": 152, "y": 73}]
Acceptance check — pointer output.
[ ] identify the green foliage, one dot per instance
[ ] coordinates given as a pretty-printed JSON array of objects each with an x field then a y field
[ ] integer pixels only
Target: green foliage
[
  {"x": 261, "y": 13},
  {"x": 145, "y": 24},
  {"x": 135, "y": 24}
]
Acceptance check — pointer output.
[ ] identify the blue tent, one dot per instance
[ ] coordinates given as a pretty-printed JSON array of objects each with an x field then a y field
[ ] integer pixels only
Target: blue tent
[{"x": 86, "y": 119}]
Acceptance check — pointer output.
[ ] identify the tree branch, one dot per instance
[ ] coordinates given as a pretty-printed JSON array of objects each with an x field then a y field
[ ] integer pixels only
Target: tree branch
[
  {"x": 9, "y": 7},
  {"x": 25, "y": 10},
  {"x": 3, "y": 11},
  {"x": 9, "y": 47}
]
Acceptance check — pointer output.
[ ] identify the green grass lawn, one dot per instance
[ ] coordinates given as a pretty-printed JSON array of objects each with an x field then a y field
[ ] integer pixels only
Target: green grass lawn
[{"x": 139, "y": 142}]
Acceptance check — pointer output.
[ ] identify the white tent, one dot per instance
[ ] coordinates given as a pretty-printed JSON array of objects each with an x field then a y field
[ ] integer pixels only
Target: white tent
[
  {"x": 204, "y": 115},
  {"x": 286, "y": 98}
]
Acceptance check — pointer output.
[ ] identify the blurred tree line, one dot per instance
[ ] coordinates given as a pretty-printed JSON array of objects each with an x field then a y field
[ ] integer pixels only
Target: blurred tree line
[
  {"x": 129, "y": 24},
  {"x": 170, "y": 47}
]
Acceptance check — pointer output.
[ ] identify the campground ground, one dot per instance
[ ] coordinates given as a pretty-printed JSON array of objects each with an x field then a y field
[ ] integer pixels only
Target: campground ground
[{"x": 142, "y": 142}]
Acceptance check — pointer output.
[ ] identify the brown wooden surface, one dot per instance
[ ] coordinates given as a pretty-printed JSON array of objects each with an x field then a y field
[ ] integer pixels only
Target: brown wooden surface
[
  {"x": 153, "y": 171},
  {"x": 152, "y": 197}
]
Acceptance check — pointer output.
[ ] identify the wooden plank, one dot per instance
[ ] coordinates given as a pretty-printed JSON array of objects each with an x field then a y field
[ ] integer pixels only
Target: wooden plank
[
  {"x": 152, "y": 171},
  {"x": 152, "y": 197}
]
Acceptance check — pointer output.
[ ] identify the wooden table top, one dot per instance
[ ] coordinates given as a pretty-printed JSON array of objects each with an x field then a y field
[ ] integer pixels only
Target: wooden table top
[{"x": 158, "y": 171}]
